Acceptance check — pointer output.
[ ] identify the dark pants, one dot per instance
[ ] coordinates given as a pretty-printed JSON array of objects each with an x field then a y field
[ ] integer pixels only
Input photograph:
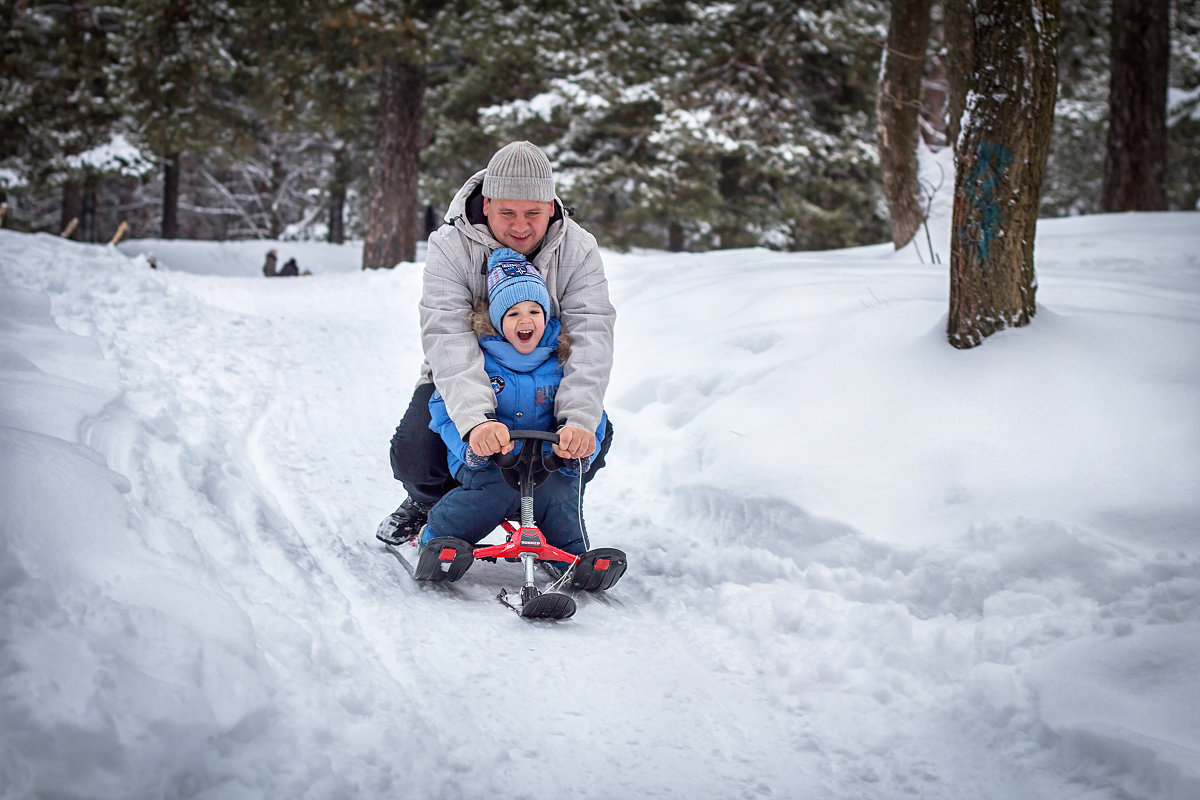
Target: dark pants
[
  {"x": 419, "y": 455},
  {"x": 485, "y": 499}
]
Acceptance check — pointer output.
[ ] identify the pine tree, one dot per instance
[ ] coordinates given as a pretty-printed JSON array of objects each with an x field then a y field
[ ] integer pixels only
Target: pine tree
[
  {"x": 392, "y": 42},
  {"x": 55, "y": 100},
  {"x": 315, "y": 112},
  {"x": 181, "y": 80},
  {"x": 488, "y": 60},
  {"x": 726, "y": 125},
  {"x": 1075, "y": 166}
]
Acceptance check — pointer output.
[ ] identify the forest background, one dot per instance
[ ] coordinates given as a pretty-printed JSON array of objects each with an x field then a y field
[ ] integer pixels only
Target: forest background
[{"x": 673, "y": 125}]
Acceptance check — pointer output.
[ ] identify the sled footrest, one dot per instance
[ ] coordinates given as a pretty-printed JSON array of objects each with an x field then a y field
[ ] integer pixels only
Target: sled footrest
[
  {"x": 598, "y": 569},
  {"x": 443, "y": 558}
]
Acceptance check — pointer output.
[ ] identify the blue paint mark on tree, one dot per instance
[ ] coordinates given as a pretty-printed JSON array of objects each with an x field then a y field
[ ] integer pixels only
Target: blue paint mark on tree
[{"x": 991, "y": 162}]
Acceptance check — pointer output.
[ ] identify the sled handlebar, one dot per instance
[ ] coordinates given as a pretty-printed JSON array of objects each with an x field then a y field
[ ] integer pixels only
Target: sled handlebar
[
  {"x": 549, "y": 461},
  {"x": 541, "y": 436}
]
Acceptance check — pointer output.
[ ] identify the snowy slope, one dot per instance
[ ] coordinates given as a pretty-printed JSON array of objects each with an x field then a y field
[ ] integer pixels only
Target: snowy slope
[{"x": 863, "y": 564}]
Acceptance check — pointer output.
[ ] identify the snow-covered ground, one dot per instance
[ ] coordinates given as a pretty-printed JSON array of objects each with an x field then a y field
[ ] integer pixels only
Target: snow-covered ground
[{"x": 863, "y": 564}]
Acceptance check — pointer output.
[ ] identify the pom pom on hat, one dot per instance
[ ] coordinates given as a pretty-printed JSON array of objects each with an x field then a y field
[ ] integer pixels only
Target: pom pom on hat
[
  {"x": 519, "y": 171},
  {"x": 511, "y": 280}
]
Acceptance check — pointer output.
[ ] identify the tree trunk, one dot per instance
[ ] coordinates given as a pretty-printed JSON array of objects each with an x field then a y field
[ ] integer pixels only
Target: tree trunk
[
  {"x": 674, "y": 237},
  {"x": 87, "y": 215},
  {"x": 337, "y": 210},
  {"x": 392, "y": 221},
  {"x": 1135, "y": 169},
  {"x": 999, "y": 164},
  {"x": 959, "y": 33},
  {"x": 338, "y": 181},
  {"x": 170, "y": 206},
  {"x": 275, "y": 195},
  {"x": 72, "y": 203},
  {"x": 897, "y": 109}
]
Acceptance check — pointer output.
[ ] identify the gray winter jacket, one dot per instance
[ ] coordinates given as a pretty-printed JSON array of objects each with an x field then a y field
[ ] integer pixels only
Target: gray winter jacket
[{"x": 455, "y": 277}]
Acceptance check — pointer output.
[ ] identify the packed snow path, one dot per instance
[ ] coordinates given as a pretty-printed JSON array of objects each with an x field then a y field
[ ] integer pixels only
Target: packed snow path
[{"x": 863, "y": 565}]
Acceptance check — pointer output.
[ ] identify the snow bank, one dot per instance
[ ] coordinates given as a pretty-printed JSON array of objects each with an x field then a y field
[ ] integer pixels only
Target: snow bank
[{"x": 863, "y": 564}]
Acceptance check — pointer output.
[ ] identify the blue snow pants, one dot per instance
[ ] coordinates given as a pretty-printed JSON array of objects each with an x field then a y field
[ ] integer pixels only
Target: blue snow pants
[{"x": 476, "y": 507}]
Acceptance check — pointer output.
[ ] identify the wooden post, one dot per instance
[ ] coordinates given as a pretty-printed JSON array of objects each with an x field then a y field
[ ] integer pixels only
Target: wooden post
[
  {"x": 3, "y": 213},
  {"x": 124, "y": 226},
  {"x": 71, "y": 226}
]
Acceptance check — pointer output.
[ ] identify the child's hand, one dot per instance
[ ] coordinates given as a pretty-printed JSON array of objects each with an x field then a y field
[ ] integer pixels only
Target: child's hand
[
  {"x": 574, "y": 442},
  {"x": 489, "y": 438}
]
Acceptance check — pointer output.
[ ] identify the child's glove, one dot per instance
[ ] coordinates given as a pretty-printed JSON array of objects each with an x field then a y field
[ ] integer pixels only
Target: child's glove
[
  {"x": 576, "y": 466},
  {"x": 473, "y": 461}
]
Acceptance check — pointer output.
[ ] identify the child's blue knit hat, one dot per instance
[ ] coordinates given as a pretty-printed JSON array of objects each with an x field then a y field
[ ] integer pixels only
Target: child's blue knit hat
[{"x": 511, "y": 280}]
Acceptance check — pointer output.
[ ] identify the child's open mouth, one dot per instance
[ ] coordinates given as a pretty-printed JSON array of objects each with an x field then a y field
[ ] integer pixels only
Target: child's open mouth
[{"x": 524, "y": 336}]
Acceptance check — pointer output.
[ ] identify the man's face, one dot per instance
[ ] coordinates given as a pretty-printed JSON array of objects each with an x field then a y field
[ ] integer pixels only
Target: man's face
[{"x": 519, "y": 224}]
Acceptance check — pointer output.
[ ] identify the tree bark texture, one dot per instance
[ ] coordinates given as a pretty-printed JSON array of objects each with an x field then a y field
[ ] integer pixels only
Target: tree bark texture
[
  {"x": 1000, "y": 161},
  {"x": 275, "y": 192},
  {"x": 170, "y": 207},
  {"x": 960, "y": 61},
  {"x": 72, "y": 202},
  {"x": 392, "y": 221},
  {"x": 339, "y": 180},
  {"x": 1135, "y": 169},
  {"x": 897, "y": 111}
]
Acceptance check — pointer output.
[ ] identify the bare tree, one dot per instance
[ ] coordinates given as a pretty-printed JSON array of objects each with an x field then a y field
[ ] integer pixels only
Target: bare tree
[
  {"x": 1135, "y": 169},
  {"x": 1000, "y": 159},
  {"x": 897, "y": 108}
]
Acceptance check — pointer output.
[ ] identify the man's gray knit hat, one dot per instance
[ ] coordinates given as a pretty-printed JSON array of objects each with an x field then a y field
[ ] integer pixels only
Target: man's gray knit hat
[{"x": 519, "y": 171}]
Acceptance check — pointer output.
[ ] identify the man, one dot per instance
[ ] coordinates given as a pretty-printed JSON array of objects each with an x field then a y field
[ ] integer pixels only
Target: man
[{"x": 512, "y": 203}]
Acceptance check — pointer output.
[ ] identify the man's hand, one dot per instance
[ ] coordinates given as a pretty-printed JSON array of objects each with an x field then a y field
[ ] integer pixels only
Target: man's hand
[
  {"x": 489, "y": 438},
  {"x": 574, "y": 442}
]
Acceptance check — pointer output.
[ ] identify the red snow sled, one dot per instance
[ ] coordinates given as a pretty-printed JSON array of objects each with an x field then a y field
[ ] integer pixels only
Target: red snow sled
[{"x": 447, "y": 558}]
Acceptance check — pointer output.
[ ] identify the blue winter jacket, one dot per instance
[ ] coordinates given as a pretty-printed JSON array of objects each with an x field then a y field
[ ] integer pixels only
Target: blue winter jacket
[{"x": 525, "y": 386}]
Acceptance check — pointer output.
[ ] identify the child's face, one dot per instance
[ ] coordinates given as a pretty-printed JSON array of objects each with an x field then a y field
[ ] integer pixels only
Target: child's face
[{"x": 523, "y": 325}]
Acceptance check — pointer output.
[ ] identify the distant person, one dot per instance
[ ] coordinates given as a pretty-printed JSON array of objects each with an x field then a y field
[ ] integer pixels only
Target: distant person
[
  {"x": 512, "y": 203},
  {"x": 289, "y": 269}
]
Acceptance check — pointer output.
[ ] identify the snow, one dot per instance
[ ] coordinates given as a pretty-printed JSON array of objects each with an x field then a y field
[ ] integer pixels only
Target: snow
[
  {"x": 1183, "y": 103},
  {"x": 11, "y": 178},
  {"x": 863, "y": 564},
  {"x": 117, "y": 156}
]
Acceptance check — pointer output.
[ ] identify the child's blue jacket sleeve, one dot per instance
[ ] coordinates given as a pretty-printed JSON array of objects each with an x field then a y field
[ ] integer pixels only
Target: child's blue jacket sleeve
[{"x": 439, "y": 421}]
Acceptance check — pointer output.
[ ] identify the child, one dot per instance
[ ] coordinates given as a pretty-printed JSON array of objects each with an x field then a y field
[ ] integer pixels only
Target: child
[{"x": 524, "y": 349}]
